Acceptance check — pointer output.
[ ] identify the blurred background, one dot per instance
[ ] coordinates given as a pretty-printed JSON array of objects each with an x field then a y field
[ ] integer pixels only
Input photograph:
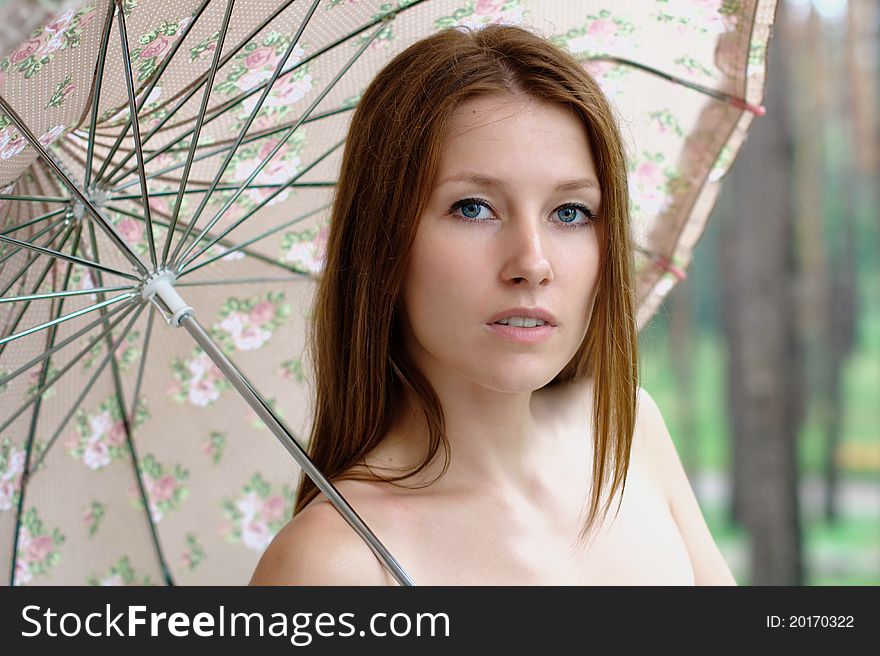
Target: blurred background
[{"x": 766, "y": 360}]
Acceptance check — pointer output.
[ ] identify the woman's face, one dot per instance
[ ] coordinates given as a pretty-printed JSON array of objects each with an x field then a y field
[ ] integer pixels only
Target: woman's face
[{"x": 519, "y": 243}]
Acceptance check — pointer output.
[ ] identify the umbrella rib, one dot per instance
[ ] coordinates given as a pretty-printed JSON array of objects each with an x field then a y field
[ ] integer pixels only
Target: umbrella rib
[
  {"x": 67, "y": 317},
  {"x": 128, "y": 307},
  {"x": 35, "y": 199},
  {"x": 53, "y": 295},
  {"x": 250, "y": 241},
  {"x": 53, "y": 165},
  {"x": 242, "y": 281},
  {"x": 182, "y": 264},
  {"x": 126, "y": 422},
  {"x": 160, "y": 194},
  {"x": 36, "y": 235},
  {"x": 70, "y": 258},
  {"x": 60, "y": 345},
  {"x": 50, "y": 342},
  {"x": 714, "y": 93},
  {"x": 37, "y": 284},
  {"x": 294, "y": 41},
  {"x": 142, "y": 365},
  {"x": 156, "y": 76},
  {"x": 265, "y": 132},
  {"x": 30, "y": 222},
  {"x": 136, "y": 131},
  {"x": 112, "y": 177},
  {"x": 194, "y": 140},
  {"x": 233, "y": 102},
  {"x": 223, "y": 149},
  {"x": 99, "y": 79},
  {"x": 88, "y": 387},
  {"x": 231, "y": 246}
]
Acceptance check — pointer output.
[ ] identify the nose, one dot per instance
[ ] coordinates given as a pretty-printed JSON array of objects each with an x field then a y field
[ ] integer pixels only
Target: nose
[{"x": 526, "y": 256}]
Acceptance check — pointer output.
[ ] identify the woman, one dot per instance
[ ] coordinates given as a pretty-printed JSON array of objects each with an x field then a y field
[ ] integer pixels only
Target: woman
[{"x": 484, "y": 183}]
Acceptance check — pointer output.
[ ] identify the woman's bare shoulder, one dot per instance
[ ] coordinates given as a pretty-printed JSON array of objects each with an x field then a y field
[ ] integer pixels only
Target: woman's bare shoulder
[{"x": 318, "y": 547}]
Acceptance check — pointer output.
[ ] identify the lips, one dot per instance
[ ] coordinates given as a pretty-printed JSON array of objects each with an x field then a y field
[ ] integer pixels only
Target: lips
[{"x": 522, "y": 311}]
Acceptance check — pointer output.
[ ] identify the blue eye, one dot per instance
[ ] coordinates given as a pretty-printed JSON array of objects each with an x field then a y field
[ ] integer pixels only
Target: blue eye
[{"x": 470, "y": 211}]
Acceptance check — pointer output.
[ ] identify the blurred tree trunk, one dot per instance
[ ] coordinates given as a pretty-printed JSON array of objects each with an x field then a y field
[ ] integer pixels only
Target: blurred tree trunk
[
  {"x": 758, "y": 275},
  {"x": 682, "y": 339}
]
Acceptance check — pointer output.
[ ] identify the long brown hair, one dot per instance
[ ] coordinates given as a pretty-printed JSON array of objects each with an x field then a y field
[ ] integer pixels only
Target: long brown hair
[{"x": 390, "y": 160}]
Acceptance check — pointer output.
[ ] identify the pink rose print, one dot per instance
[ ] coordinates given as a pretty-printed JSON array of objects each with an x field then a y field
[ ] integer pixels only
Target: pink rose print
[
  {"x": 160, "y": 204},
  {"x": 488, "y": 6},
  {"x": 131, "y": 230},
  {"x": 13, "y": 148},
  {"x": 262, "y": 312},
  {"x": 203, "y": 393},
  {"x": 163, "y": 489},
  {"x": 155, "y": 48},
  {"x": 268, "y": 146},
  {"x": 53, "y": 44},
  {"x": 260, "y": 57},
  {"x": 61, "y": 23},
  {"x": 273, "y": 509},
  {"x": 22, "y": 572},
  {"x": 649, "y": 174},
  {"x": 602, "y": 28},
  {"x": 52, "y": 135},
  {"x": 97, "y": 455},
  {"x": 116, "y": 437},
  {"x": 256, "y": 535},
  {"x": 25, "y": 50},
  {"x": 39, "y": 548}
]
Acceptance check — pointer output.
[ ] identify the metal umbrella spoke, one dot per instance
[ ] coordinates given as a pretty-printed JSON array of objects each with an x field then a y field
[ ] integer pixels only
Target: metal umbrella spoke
[
  {"x": 230, "y": 246},
  {"x": 183, "y": 263},
  {"x": 54, "y": 295},
  {"x": 24, "y": 307},
  {"x": 50, "y": 342},
  {"x": 70, "y": 184},
  {"x": 126, "y": 422},
  {"x": 30, "y": 222},
  {"x": 257, "y": 238},
  {"x": 275, "y": 185},
  {"x": 34, "y": 199},
  {"x": 99, "y": 79},
  {"x": 222, "y": 149},
  {"x": 126, "y": 308},
  {"x": 91, "y": 382},
  {"x": 143, "y": 363},
  {"x": 69, "y": 258},
  {"x": 243, "y": 281},
  {"x": 67, "y": 317},
  {"x": 194, "y": 141},
  {"x": 60, "y": 225},
  {"x": 233, "y": 103},
  {"x": 112, "y": 177},
  {"x": 136, "y": 131},
  {"x": 294, "y": 41},
  {"x": 146, "y": 93},
  {"x": 60, "y": 345}
]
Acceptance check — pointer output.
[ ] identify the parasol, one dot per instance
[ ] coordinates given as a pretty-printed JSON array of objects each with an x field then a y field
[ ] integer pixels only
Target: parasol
[{"x": 166, "y": 174}]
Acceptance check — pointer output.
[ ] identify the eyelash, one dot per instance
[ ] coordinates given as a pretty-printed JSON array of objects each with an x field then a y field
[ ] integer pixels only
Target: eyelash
[{"x": 591, "y": 218}]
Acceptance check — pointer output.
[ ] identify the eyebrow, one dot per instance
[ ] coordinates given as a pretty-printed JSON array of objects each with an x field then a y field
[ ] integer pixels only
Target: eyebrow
[{"x": 489, "y": 181}]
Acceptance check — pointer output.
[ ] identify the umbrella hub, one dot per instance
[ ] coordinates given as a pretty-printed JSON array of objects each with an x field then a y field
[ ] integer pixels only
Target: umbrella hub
[
  {"x": 159, "y": 288},
  {"x": 97, "y": 197}
]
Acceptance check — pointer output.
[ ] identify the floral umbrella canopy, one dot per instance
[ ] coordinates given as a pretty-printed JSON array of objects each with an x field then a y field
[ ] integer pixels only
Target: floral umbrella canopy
[{"x": 135, "y": 452}]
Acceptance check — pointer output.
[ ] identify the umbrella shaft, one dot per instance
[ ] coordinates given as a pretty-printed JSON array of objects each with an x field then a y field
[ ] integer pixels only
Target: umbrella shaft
[{"x": 265, "y": 413}]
